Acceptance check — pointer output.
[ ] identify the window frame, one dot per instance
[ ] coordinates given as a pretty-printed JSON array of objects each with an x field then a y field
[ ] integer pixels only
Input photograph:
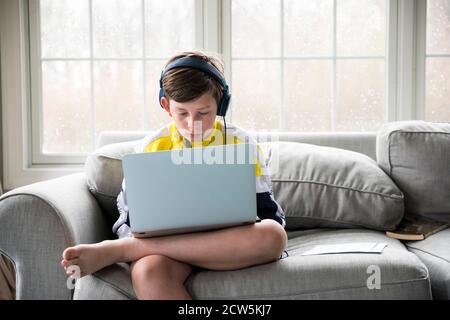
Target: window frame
[
  {"x": 17, "y": 166},
  {"x": 420, "y": 58},
  {"x": 405, "y": 87}
]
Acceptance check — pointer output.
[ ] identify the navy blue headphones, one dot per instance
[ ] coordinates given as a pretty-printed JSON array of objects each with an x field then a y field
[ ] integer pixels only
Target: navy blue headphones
[{"x": 205, "y": 67}]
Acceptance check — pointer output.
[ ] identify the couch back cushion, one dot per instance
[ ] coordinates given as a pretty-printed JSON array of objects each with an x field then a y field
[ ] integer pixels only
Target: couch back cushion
[
  {"x": 363, "y": 142},
  {"x": 104, "y": 174},
  {"x": 416, "y": 154},
  {"x": 316, "y": 186},
  {"x": 330, "y": 187}
]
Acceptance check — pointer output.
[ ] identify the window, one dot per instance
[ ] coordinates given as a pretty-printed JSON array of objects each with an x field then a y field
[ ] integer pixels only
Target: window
[
  {"x": 294, "y": 65},
  {"x": 437, "y": 61},
  {"x": 97, "y": 65},
  {"x": 301, "y": 65}
]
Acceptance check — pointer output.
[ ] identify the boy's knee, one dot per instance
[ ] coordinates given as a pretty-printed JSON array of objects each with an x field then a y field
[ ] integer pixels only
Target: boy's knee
[
  {"x": 154, "y": 275},
  {"x": 273, "y": 237},
  {"x": 154, "y": 266}
]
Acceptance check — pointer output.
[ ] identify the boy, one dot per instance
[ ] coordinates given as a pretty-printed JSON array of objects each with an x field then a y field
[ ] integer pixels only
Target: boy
[{"x": 193, "y": 92}]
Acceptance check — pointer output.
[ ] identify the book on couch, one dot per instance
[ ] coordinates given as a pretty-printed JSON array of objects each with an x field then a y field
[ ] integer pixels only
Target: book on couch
[{"x": 416, "y": 229}]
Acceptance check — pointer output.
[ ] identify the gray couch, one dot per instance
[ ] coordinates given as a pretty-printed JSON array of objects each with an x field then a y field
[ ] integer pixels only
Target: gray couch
[{"x": 38, "y": 221}]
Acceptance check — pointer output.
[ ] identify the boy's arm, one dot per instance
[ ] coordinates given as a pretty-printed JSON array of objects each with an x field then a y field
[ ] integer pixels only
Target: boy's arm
[
  {"x": 267, "y": 206},
  {"x": 121, "y": 226}
]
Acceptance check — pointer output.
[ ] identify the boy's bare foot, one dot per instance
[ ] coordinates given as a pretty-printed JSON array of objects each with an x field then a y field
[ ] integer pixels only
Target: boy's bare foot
[{"x": 90, "y": 257}]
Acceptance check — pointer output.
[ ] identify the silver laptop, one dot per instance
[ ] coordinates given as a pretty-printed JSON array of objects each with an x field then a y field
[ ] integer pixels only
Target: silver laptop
[{"x": 189, "y": 190}]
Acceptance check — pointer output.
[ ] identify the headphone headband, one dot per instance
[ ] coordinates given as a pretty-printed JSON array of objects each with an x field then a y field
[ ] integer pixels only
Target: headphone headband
[{"x": 205, "y": 67}]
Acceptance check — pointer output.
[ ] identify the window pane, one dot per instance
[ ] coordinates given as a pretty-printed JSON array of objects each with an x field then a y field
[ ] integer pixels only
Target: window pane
[
  {"x": 118, "y": 95},
  {"x": 66, "y": 107},
  {"x": 157, "y": 116},
  {"x": 361, "y": 27},
  {"x": 360, "y": 104},
  {"x": 308, "y": 27},
  {"x": 438, "y": 89},
  {"x": 117, "y": 28},
  {"x": 306, "y": 109},
  {"x": 438, "y": 26},
  {"x": 169, "y": 27},
  {"x": 256, "y": 94},
  {"x": 64, "y": 28},
  {"x": 256, "y": 27}
]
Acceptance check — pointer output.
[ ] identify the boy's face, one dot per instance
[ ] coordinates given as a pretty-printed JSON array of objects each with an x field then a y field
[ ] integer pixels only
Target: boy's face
[{"x": 194, "y": 118}]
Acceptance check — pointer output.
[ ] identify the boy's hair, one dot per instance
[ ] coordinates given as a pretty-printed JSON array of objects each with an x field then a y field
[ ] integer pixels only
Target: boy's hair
[{"x": 187, "y": 84}]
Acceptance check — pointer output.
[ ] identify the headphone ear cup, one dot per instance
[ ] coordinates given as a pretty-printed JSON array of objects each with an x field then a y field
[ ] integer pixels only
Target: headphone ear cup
[
  {"x": 224, "y": 103},
  {"x": 161, "y": 95}
]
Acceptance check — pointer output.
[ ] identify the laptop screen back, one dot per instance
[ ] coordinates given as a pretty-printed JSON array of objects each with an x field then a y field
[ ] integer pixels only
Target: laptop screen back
[{"x": 190, "y": 189}]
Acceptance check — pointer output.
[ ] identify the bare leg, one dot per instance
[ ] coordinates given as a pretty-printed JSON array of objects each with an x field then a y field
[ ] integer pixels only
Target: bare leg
[
  {"x": 226, "y": 249},
  {"x": 160, "y": 278}
]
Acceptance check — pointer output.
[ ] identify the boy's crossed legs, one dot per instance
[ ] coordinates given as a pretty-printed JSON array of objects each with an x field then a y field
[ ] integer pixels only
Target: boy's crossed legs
[
  {"x": 161, "y": 265},
  {"x": 160, "y": 277}
]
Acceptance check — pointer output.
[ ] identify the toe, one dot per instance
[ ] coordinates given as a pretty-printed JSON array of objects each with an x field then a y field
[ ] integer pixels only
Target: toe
[
  {"x": 70, "y": 253},
  {"x": 66, "y": 263}
]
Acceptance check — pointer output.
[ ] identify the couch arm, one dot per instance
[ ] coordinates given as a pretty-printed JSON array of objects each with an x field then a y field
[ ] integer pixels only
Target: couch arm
[{"x": 37, "y": 222}]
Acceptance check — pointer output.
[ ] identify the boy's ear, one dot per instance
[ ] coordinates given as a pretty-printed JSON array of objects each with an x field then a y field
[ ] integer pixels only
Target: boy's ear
[{"x": 165, "y": 104}]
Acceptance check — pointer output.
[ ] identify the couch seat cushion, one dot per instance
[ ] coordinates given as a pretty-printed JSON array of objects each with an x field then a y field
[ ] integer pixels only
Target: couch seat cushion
[
  {"x": 335, "y": 276},
  {"x": 434, "y": 252}
]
